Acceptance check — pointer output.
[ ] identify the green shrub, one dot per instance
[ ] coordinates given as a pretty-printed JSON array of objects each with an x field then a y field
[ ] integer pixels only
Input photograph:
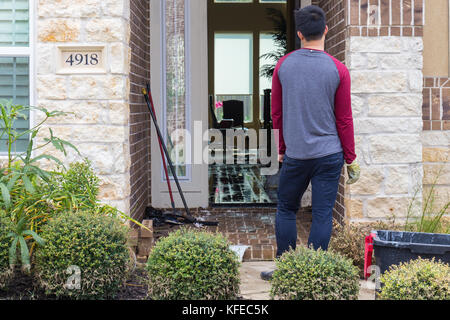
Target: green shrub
[
  {"x": 94, "y": 243},
  {"x": 348, "y": 240},
  {"x": 193, "y": 265},
  {"x": 75, "y": 188},
  {"x": 306, "y": 274},
  {"x": 5, "y": 243},
  {"x": 417, "y": 280}
]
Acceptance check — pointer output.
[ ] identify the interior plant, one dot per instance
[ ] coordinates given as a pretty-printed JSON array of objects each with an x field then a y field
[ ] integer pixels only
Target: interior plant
[
  {"x": 193, "y": 265},
  {"x": 419, "y": 279},
  {"x": 279, "y": 36},
  {"x": 93, "y": 244},
  {"x": 306, "y": 274}
]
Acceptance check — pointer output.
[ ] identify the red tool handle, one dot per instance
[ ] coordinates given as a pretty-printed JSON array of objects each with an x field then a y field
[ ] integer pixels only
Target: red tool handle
[
  {"x": 368, "y": 253},
  {"x": 166, "y": 172}
]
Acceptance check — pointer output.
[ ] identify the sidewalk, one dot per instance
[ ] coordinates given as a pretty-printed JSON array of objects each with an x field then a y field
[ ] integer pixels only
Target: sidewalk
[{"x": 254, "y": 288}]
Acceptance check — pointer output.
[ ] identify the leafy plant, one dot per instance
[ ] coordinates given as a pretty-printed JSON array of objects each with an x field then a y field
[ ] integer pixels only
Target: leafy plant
[
  {"x": 94, "y": 243},
  {"x": 305, "y": 274},
  {"x": 76, "y": 188},
  {"x": 193, "y": 265},
  {"x": 21, "y": 179},
  {"x": 19, "y": 234},
  {"x": 416, "y": 280},
  {"x": 279, "y": 36}
]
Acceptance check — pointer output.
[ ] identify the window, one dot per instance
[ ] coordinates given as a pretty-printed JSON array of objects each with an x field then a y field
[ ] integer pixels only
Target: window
[
  {"x": 249, "y": 1},
  {"x": 176, "y": 113},
  {"x": 233, "y": 1},
  {"x": 15, "y": 60},
  {"x": 266, "y": 45},
  {"x": 233, "y": 76}
]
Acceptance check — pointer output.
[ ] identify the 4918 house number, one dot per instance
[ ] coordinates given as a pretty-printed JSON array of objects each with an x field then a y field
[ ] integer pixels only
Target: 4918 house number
[
  {"x": 84, "y": 59},
  {"x": 73, "y": 60}
]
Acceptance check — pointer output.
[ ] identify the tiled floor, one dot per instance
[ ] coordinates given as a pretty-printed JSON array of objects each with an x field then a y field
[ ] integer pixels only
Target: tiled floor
[
  {"x": 248, "y": 227},
  {"x": 238, "y": 184}
]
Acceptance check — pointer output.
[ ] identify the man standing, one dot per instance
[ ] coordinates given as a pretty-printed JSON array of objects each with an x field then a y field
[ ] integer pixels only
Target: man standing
[{"x": 311, "y": 108}]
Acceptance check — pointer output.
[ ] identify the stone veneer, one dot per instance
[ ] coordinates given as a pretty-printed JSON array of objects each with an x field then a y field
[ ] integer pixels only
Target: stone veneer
[
  {"x": 387, "y": 106},
  {"x": 99, "y": 123},
  {"x": 436, "y": 167},
  {"x": 436, "y": 140}
]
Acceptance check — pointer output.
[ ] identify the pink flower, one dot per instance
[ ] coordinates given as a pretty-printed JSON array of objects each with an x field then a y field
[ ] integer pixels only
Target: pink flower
[{"x": 219, "y": 104}]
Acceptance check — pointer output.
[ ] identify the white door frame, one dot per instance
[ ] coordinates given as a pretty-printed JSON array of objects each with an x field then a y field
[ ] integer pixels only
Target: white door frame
[{"x": 195, "y": 188}]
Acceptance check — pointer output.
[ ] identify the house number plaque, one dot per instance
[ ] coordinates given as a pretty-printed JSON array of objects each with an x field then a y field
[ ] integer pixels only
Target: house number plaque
[{"x": 73, "y": 60}]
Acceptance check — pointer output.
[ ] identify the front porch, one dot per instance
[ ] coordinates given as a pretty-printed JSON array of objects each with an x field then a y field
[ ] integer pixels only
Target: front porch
[{"x": 253, "y": 227}]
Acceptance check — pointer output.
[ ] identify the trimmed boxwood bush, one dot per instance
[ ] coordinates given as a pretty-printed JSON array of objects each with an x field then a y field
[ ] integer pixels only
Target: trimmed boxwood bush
[
  {"x": 5, "y": 243},
  {"x": 306, "y": 274},
  {"x": 94, "y": 243},
  {"x": 417, "y": 280},
  {"x": 193, "y": 265}
]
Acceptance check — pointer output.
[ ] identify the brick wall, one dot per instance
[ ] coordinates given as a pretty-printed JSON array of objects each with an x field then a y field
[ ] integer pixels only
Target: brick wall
[
  {"x": 436, "y": 104},
  {"x": 375, "y": 18},
  {"x": 335, "y": 45},
  {"x": 336, "y": 13},
  {"x": 139, "y": 115}
]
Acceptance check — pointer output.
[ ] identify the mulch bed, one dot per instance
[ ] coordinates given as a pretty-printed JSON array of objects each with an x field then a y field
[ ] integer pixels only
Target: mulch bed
[{"x": 21, "y": 287}]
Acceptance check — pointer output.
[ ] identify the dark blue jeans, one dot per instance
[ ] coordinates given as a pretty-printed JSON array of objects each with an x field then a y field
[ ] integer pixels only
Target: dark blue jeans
[{"x": 324, "y": 174}]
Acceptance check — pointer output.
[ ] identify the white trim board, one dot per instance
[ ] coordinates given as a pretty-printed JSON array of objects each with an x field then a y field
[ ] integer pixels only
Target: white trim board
[{"x": 195, "y": 186}]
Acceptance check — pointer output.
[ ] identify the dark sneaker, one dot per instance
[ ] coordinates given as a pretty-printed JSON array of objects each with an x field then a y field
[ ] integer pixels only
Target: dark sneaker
[{"x": 267, "y": 275}]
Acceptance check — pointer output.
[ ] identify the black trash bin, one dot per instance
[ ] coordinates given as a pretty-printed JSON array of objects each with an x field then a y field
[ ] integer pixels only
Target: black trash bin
[{"x": 393, "y": 247}]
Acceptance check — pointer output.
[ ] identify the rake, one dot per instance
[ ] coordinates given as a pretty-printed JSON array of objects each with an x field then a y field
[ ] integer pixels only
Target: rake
[{"x": 186, "y": 215}]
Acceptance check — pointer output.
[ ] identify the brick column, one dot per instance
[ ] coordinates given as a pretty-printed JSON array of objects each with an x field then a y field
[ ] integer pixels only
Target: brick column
[
  {"x": 384, "y": 55},
  {"x": 140, "y": 125}
]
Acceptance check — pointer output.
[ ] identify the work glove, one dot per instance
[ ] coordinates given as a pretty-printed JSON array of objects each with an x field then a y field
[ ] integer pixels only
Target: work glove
[{"x": 353, "y": 171}]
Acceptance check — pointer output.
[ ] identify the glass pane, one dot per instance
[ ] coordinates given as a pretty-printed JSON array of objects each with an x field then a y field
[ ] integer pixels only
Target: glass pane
[
  {"x": 176, "y": 83},
  {"x": 266, "y": 45},
  {"x": 233, "y": 69},
  {"x": 14, "y": 16},
  {"x": 231, "y": 1},
  {"x": 14, "y": 85}
]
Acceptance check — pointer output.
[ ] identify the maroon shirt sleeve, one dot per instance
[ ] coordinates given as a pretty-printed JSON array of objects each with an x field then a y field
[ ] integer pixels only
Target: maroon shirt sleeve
[
  {"x": 343, "y": 113},
  {"x": 277, "y": 107}
]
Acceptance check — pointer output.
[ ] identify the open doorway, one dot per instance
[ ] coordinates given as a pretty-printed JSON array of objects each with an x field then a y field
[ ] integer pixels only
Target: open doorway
[{"x": 245, "y": 40}]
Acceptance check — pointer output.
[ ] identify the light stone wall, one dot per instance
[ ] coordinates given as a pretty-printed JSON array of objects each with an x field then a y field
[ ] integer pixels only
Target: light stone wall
[
  {"x": 387, "y": 106},
  {"x": 436, "y": 168},
  {"x": 99, "y": 103}
]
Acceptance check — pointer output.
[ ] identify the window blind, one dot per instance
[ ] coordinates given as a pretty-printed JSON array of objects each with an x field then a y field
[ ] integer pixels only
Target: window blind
[
  {"x": 14, "y": 23},
  {"x": 14, "y": 84}
]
